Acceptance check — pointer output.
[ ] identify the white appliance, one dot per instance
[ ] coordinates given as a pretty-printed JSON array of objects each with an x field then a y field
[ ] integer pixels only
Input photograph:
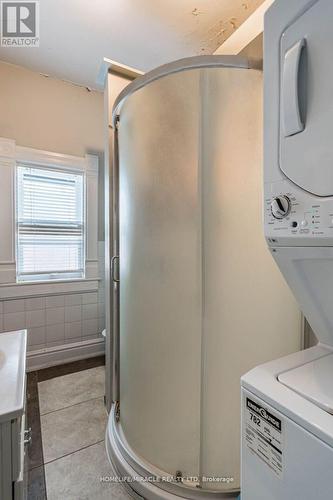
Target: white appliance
[{"x": 287, "y": 405}]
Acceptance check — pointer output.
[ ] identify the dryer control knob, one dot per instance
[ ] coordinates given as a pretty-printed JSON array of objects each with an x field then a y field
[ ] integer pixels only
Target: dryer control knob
[{"x": 280, "y": 207}]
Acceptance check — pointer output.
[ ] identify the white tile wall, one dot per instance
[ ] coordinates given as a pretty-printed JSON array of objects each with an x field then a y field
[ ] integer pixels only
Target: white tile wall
[
  {"x": 101, "y": 309},
  {"x": 35, "y": 318},
  {"x": 73, "y": 300},
  {"x": 36, "y": 336},
  {"x": 55, "y": 320},
  {"x": 73, "y": 313},
  {"x": 55, "y": 315},
  {"x": 13, "y": 306},
  {"x": 55, "y": 301},
  {"x": 90, "y": 298},
  {"x": 73, "y": 331},
  {"x": 34, "y": 304},
  {"x": 13, "y": 321},
  {"x": 89, "y": 326},
  {"x": 90, "y": 311},
  {"x": 55, "y": 333}
]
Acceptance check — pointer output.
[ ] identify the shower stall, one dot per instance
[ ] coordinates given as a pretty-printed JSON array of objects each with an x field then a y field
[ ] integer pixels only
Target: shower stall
[{"x": 196, "y": 298}]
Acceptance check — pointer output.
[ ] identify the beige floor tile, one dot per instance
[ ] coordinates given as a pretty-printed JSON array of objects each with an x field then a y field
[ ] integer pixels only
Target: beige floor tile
[
  {"x": 61, "y": 392},
  {"x": 77, "y": 477},
  {"x": 68, "y": 430}
]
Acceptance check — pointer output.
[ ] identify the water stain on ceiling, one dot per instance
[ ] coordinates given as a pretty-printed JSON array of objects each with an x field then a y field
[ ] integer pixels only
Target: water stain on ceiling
[{"x": 76, "y": 35}]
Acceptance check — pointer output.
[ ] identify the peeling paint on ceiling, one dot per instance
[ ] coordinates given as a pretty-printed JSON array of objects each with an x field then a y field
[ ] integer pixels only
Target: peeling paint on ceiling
[
  {"x": 76, "y": 35},
  {"x": 224, "y": 18}
]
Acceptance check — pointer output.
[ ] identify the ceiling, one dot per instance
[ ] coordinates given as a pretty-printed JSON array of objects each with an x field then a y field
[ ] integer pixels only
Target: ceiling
[{"x": 75, "y": 35}]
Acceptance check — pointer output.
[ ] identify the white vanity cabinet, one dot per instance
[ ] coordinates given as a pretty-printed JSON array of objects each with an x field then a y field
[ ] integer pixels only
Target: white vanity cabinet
[{"x": 12, "y": 414}]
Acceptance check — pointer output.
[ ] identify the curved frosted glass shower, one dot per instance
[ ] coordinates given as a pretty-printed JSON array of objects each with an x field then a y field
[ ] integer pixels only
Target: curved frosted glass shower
[{"x": 200, "y": 300}]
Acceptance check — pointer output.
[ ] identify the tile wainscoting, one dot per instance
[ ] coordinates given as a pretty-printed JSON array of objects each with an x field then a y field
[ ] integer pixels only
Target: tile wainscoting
[
  {"x": 61, "y": 328},
  {"x": 56, "y": 319},
  {"x": 64, "y": 320}
]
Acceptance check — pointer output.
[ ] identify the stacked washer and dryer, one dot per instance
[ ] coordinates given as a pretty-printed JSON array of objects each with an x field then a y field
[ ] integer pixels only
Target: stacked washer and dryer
[{"x": 287, "y": 405}]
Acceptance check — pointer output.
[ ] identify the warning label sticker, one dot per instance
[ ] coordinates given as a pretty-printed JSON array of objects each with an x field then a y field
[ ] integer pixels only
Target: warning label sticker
[{"x": 263, "y": 435}]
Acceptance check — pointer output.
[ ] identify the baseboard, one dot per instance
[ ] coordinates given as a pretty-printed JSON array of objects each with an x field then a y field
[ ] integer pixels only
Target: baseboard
[{"x": 52, "y": 356}]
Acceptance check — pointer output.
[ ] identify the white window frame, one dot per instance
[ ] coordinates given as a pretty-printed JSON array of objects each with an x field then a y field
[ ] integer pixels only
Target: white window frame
[
  {"x": 10, "y": 155},
  {"x": 35, "y": 277}
]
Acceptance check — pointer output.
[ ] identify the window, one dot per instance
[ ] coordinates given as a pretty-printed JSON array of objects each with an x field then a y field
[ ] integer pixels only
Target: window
[{"x": 50, "y": 224}]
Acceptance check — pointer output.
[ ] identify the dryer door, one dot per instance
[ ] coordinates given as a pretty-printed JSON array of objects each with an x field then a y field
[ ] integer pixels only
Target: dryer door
[{"x": 306, "y": 100}]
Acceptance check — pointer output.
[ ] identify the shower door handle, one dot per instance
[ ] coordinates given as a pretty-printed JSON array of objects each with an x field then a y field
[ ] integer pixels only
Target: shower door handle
[{"x": 115, "y": 269}]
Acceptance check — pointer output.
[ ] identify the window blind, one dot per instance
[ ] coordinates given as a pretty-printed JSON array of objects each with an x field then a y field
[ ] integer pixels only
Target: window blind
[{"x": 50, "y": 224}]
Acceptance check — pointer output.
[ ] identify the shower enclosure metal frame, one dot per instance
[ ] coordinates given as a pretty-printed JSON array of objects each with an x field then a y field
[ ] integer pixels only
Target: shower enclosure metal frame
[{"x": 127, "y": 74}]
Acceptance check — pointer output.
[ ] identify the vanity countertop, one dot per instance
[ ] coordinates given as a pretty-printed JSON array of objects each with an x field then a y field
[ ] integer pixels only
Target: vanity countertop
[{"x": 13, "y": 346}]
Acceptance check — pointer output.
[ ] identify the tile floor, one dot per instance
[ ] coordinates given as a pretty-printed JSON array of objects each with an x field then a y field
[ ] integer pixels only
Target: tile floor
[{"x": 73, "y": 421}]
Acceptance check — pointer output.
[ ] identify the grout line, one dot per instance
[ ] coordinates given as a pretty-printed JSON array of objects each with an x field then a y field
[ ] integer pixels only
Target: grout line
[
  {"x": 73, "y": 452},
  {"x": 36, "y": 467},
  {"x": 71, "y": 406}
]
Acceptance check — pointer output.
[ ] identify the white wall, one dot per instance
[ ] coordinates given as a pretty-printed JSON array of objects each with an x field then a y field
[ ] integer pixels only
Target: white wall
[
  {"x": 45, "y": 113},
  {"x": 53, "y": 116}
]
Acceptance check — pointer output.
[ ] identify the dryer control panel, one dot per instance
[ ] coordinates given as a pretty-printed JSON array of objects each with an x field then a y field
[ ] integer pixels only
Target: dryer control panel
[{"x": 297, "y": 218}]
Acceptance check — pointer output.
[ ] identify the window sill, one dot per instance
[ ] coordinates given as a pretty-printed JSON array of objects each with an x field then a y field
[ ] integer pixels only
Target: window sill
[
  {"x": 50, "y": 282},
  {"x": 43, "y": 288}
]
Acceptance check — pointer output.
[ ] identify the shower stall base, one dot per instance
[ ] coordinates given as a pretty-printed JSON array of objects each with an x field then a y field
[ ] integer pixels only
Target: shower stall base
[{"x": 143, "y": 480}]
